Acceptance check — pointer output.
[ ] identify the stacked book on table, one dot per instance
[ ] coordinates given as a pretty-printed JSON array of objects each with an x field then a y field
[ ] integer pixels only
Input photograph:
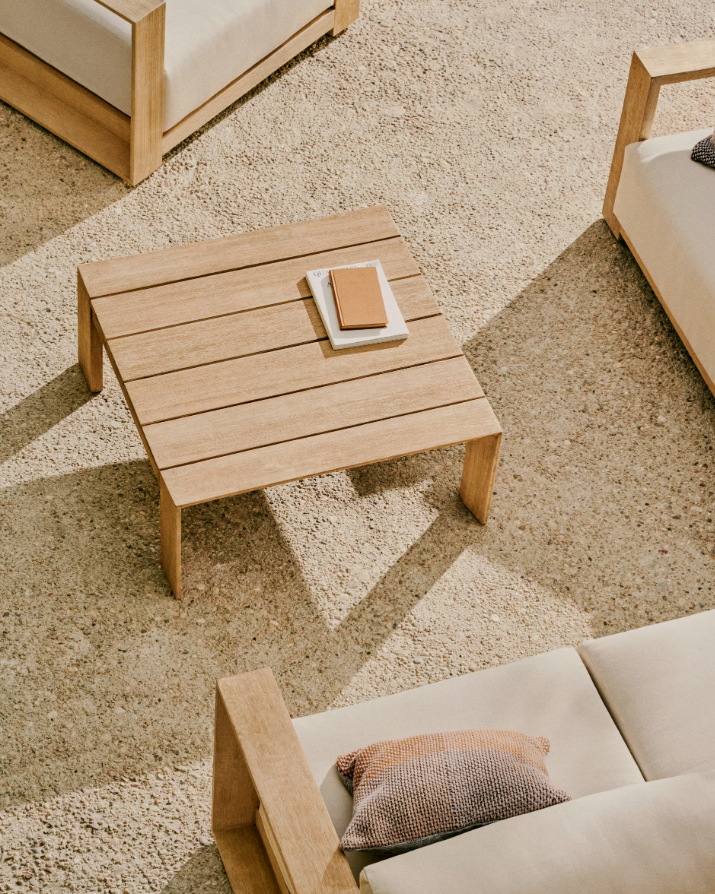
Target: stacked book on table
[{"x": 357, "y": 305}]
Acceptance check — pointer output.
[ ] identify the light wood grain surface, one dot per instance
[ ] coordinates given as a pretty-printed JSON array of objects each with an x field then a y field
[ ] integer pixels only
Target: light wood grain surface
[
  {"x": 346, "y": 12},
  {"x": 374, "y": 442},
  {"x": 170, "y": 538},
  {"x": 223, "y": 338},
  {"x": 301, "y": 830},
  {"x": 317, "y": 410},
  {"x": 131, "y": 10},
  {"x": 260, "y": 285},
  {"x": 280, "y": 870},
  {"x": 90, "y": 352},
  {"x": 258, "y": 376},
  {"x": 147, "y": 120},
  {"x": 235, "y": 252},
  {"x": 680, "y": 61}
]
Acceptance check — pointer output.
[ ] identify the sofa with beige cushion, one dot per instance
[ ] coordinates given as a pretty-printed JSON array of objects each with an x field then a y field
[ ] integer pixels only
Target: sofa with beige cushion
[
  {"x": 662, "y": 203},
  {"x": 631, "y": 721},
  {"x": 127, "y": 80}
]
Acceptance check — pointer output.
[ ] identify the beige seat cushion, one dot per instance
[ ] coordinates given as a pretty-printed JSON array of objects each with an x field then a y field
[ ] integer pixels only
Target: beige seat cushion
[
  {"x": 655, "y": 838},
  {"x": 666, "y": 205},
  {"x": 548, "y": 695},
  {"x": 208, "y": 43},
  {"x": 659, "y": 685}
]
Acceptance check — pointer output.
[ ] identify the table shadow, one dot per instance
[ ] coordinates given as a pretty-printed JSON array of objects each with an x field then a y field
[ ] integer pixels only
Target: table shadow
[{"x": 42, "y": 410}]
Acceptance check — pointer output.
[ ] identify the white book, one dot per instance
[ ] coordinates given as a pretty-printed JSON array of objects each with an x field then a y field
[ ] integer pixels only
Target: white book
[{"x": 396, "y": 329}]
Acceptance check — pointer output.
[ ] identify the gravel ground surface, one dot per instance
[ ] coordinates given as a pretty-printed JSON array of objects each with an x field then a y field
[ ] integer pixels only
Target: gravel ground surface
[{"x": 487, "y": 128}]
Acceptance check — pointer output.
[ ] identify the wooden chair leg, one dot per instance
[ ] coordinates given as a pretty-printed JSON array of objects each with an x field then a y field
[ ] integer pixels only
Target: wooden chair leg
[
  {"x": 346, "y": 11},
  {"x": 170, "y": 530},
  {"x": 480, "y": 466},
  {"x": 89, "y": 342}
]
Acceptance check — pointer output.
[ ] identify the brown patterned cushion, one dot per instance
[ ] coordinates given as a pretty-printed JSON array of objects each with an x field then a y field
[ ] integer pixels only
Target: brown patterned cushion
[
  {"x": 704, "y": 151},
  {"x": 411, "y": 792}
]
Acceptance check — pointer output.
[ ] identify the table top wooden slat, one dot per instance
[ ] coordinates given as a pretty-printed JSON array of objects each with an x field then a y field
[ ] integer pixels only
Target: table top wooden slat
[
  {"x": 233, "y": 252},
  {"x": 237, "y": 335},
  {"x": 232, "y": 429},
  {"x": 330, "y": 452},
  {"x": 259, "y": 376},
  {"x": 212, "y": 296}
]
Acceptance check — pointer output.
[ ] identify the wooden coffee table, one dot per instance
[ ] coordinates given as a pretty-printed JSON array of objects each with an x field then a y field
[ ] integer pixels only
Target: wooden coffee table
[{"x": 233, "y": 386}]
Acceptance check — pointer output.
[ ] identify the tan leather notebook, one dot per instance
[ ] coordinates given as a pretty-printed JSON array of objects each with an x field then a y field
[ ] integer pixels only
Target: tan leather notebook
[{"x": 358, "y": 298}]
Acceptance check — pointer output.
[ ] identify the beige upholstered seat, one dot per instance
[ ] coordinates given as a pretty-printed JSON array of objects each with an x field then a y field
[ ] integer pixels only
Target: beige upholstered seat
[
  {"x": 209, "y": 43},
  {"x": 654, "y": 838},
  {"x": 659, "y": 685},
  {"x": 666, "y": 205},
  {"x": 548, "y": 695}
]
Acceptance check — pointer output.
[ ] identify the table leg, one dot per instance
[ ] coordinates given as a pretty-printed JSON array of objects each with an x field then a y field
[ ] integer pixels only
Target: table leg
[
  {"x": 170, "y": 529},
  {"x": 89, "y": 341},
  {"x": 480, "y": 466}
]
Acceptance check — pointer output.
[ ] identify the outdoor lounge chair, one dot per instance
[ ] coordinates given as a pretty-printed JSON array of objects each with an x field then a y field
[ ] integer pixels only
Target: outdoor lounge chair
[
  {"x": 662, "y": 203},
  {"x": 124, "y": 81}
]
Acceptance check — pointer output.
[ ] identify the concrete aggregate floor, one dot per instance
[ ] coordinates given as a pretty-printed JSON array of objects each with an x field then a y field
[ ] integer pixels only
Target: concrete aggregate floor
[{"x": 487, "y": 128}]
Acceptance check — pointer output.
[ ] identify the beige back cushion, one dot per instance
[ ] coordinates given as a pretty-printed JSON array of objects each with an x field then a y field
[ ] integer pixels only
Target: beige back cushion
[
  {"x": 659, "y": 685},
  {"x": 653, "y": 838}
]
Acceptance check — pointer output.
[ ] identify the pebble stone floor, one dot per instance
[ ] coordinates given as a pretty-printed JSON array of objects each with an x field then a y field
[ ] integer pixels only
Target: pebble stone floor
[{"x": 487, "y": 128}]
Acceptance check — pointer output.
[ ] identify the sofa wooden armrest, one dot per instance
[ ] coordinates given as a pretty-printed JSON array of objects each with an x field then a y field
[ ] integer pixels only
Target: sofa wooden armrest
[
  {"x": 650, "y": 69},
  {"x": 269, "y": 820}
]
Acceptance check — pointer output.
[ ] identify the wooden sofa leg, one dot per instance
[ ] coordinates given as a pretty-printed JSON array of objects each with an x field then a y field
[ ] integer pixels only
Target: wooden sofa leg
[
  {"x": 170, "y": 532},
  {"x": 346, "y": 12},
  {"x": 480, "y": 466},
  {"x": 89, "y": 342}
]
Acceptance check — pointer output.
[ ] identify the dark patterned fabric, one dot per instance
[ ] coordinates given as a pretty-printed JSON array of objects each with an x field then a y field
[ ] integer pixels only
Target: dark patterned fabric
[
  {"x": 411, "y": 792},
  {"x": 704, "y": 151}
]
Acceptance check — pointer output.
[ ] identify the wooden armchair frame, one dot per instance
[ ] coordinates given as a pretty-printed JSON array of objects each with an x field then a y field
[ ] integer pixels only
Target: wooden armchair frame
[
  {"x": 650, "y": 69},
  {"x": 132, "y": 146},
  {"x": 270, "y": 823}
]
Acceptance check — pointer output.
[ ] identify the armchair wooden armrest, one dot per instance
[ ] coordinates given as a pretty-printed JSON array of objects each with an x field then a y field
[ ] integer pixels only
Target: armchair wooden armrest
[
  {"x": 148, "y": 21},
  {"x": 270, "y": 823},
  {"x": 131, "y": 10},
  {"x": 651, "y": 68}
]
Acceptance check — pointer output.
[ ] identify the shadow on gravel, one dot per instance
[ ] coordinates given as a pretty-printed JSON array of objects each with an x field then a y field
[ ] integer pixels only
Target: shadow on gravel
[
  {"x": 604, "y": 490},
  {"x": 41, "y": 410},
  {"x": 203, "y": 872},
  {"x": 47, "y": 186}
]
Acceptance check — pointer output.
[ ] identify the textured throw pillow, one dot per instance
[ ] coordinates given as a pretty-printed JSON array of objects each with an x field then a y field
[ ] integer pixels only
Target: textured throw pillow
[
  {"x": 704, "y": 151},
  {"x": 411, "y": 792}
]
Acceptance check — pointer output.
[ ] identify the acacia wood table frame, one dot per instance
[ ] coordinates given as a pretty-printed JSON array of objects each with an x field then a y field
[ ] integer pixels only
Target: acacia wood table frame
[
  {"x": 651, "y": 68},
  {"x": 233, "y": 385},
  {"x": 132, "y": 146}
]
